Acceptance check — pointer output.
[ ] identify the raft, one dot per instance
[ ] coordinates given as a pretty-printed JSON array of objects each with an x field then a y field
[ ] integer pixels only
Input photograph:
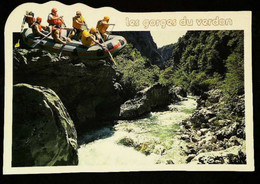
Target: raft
[{"x": 75, "y": 48}]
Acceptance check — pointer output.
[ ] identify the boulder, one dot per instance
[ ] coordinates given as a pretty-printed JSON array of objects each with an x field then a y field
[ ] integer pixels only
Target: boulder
[
  {"x": 149, "y": 99},
  {"x": 178, "y": 91},
  {"x": 43, "y": 132},
  {"x": 233, "y": 129}
]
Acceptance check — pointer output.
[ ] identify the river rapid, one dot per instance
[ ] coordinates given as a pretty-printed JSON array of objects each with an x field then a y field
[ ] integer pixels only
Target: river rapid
[{"x": 153, "y": 139}]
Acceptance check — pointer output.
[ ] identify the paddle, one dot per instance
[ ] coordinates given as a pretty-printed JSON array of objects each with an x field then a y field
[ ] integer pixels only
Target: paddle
[
  {"x": 107, "y": 48},
  {"x": 61, "y": 50},
  {"x": 61, "y": 18},
  {"x": 36, "y": 43},
  {"x": 17, "y": 44}
]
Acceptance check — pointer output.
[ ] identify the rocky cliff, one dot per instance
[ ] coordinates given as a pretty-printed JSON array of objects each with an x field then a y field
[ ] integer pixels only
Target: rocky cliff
[
  {"x": 143, "y": 41},
  {"x": 89, "y": 89},
  {"x": 166, "y": 52},
  {"x": 43, "y": 132}
]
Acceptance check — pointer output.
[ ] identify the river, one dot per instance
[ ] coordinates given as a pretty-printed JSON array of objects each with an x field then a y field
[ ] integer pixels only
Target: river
[{"x": 153, "y": 139}]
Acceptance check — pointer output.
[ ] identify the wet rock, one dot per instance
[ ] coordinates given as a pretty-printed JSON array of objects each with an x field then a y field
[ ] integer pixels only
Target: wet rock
[
  {"x": 185, "y": 137},
  {"x": 169, "y": 162},
  {"x": 43, "y": 132},
  {"x": 190, "y": 157}
]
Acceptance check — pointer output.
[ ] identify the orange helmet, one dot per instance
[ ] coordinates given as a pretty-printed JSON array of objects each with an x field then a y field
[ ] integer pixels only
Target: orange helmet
[
  {"x": 54, "y": 10},
  {"x": 39, "y": 19},
  {"x": 78, "y": 12},
  {"x": 106, "y": 18},
  {"x": 92, "y": 30}
]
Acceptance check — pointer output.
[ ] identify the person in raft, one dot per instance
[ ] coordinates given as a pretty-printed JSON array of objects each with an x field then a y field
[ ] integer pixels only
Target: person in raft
[
  {"x": 56, "y": 34},
  {"x": 102, "y": 26},
  {"x": 77, "y": 22},
  {"x": 28, "y": 18},
  {"x": 88, "y": 39},
  {"x": 94, "y": 32},
  {"x": 38, "y": 28},
  {"x": 53, "y": 18}
]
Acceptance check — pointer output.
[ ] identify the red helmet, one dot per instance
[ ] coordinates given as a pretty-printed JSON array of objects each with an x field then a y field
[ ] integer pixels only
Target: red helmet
[
  {"x": 39, "y": 19},
  {"x": 54, "y": 10}
]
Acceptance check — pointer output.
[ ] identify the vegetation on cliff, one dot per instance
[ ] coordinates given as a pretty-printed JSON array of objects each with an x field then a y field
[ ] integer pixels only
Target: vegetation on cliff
[{"x": 204, "y": 60}]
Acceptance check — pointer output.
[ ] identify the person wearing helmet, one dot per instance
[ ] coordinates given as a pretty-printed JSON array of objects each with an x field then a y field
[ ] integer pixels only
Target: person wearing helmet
[
  {"x": 94, "y": 32},
  {"x": 102, "y": 26},
  {"x": 77, "y": 22},
  {"x": 53, "y": 17},
  {"x": 38, "y": 28},
  {"x": 88, "y": 39},
  {"x": 29, "y": 19},
  {"x": 56, "y": 34}
]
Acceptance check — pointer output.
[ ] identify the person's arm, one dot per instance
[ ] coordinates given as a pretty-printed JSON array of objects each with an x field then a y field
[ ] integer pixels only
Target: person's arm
[
  {"x": 39, "y": 32},
  {"x": 56, "y": 34},
  {"x": 82, "y": 23}
]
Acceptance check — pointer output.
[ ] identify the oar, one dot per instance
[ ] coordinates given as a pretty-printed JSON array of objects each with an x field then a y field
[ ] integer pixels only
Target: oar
[
  {"x": 61, "y": 50},
  {"x": 34, "y": 45},
  {"x": 63, "y": 21},
  {"x": 107, "y": 49}
]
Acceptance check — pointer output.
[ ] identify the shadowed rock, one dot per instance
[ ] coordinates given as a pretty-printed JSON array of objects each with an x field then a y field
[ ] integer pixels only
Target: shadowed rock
[
  {"x": 43, "y": 132},
  {"x": 88, "y": 89}
]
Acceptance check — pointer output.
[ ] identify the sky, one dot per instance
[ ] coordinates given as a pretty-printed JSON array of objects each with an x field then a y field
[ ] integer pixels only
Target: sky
[{"x": 162, "y": 38}]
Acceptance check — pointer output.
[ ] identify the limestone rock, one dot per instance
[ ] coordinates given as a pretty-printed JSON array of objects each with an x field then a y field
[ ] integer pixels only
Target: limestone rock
[
  {"x": 233, "y": 155},
  {"x": 154, "y": 97},
  {"x": 43, "y": 132}
]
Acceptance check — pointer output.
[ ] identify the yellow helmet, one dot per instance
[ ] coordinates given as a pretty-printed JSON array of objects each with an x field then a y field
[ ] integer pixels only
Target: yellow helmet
[
  {"x": 78, "y": 13},
  {"x": 92, "y": 30},
  {"x": 106, "y": 18},
  {"x": 85, "y": 33}
]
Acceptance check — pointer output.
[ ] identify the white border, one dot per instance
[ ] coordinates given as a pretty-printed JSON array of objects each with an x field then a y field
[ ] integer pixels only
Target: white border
[{"x": 241, "y": 21}]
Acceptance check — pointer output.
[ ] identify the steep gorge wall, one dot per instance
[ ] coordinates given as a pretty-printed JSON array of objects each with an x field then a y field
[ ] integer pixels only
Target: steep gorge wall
[{"x": 89, "y": 90}]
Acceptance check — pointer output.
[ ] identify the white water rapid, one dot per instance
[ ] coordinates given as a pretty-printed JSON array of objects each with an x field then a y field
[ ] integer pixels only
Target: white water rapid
[{"x": 146, "y": 141}]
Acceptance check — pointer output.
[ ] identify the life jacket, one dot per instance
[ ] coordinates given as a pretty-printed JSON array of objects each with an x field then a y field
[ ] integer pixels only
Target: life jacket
[
  {"x": 86, "y": 39},
  {"x": 75, "y": 24},
  {"x": 30, "y": 20},
  {"x": 102, "y": 26},
  {"x": 34, "y": 27},
  {"x": 52, "y": 21}
]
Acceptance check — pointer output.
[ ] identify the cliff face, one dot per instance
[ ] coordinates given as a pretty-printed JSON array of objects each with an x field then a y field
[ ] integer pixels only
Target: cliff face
[
  {"x": 166, "y": 52},
  {"x": 89, "y": 90},
  {"x": 143, "y": 41}
]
